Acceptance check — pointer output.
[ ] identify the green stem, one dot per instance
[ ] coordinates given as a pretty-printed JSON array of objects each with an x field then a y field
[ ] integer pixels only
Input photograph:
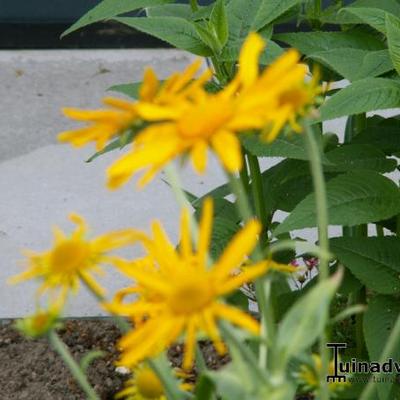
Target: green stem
[
  {"x": 176, "y": 185},
  {"x": 360, "y": 298},
  {"x": 391, "y": 344},
  {"x": 75, "y": 369},
  {"x": 122, "y": 324},
  {"x": 258, "y": 194},
  {"x": 379, "y": 230},
  {"x": 244, "y": 174},
  {"x": 322, "y": 222},
  {"x": 262, "y": 285},
  {"x": 194, "y": 5}
]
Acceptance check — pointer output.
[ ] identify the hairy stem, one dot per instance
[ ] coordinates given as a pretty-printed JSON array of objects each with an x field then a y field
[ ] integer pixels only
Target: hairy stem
[
  {"x": 322, "y": 222},
  {"x": 59, "y": 346}
]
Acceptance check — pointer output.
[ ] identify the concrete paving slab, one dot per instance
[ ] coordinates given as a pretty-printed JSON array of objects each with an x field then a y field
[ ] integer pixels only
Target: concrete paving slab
[{"x": 42, "y": 181}]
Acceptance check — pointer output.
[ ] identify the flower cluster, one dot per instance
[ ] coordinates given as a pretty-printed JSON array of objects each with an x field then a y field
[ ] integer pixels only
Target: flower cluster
[{"x": 179, "y": 117}]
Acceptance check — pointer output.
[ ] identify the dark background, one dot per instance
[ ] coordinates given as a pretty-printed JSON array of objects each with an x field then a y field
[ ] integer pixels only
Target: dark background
[{"x": 30, "y": 24}]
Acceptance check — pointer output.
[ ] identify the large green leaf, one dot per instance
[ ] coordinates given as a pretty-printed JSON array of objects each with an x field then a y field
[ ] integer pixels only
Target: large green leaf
[
  {"x": 359, "y": 156},
  {"x": 245, "y": 16},
  {"x": 170, "y": 10},
  {"x": 374, "y": 17},
  {"x": 379, "y": 320},
  {"x": 312, "y": 42},
  {"x": 304, "y": 322},
  {"x": 270, "y": 10},
  {"x": 373, "y": 260},
  {"x": 110, "y": 8},
  {"x": 282, "y": 146},
  {"x": 367, "y": 94},
  {"x": 354, "y": 198},
  {"x": 393, "y": 37},
  {"x": 383, "y": 137},
  {"x": 176, "y": 31},
  {"x": 354, "y": 64}
]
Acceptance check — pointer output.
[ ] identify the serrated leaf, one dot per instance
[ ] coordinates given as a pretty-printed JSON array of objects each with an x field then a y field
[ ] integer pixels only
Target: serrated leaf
[
  {"x": 110, "y": 8},
  {"x": 393, "y": 37},
  {"x": 354, "y": 198},
  {"x": 270, "y": 10},
  {"x": 129, "y": 89},
  {"x": 371, "y": 16},
  {"x": 170, "y": 10},
  {"x": 304, "y": 322},
  {"x": 367, "y": 94},
  {"x": 312, "y": 42},
  {"x": 378, "y": 323},
  {"x": 351, "y": 157},
  {"x": 219, "y": 22},
  {"x": 385, "y": 138},
  {"x": 223, "y": 231},
  {"x": 176, "y": 31},
  {"x": 282, "y": 146},
  {"x": 373, "y": 260},
  {"x": 354, "y": 64}
]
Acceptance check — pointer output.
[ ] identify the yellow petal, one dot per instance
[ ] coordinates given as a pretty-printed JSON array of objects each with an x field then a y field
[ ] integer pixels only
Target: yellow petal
[
  {"x": 228, "y": 148},
  {"x": 237, "y": 317},
  {"x": 238, "y": 248},
  {"x": 248, "y": 58},
  {"x": 199, "y": 156}
]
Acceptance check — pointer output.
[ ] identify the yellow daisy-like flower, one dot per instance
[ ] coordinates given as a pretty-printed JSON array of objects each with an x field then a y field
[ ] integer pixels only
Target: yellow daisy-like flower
[
  {"x": 73, "y": 259},
  {"x": 104, "y": 124},
  {"x": 144, "y": 385},
  {"x": 252, "y": 101},
  {"x": 40, "y": 323},
  {"x": 308, "y": 376},
  {"x": 183, "y": 294}
]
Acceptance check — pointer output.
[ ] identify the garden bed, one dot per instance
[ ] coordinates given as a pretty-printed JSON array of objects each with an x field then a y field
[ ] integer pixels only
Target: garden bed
[{"x": 31, "y": 370}]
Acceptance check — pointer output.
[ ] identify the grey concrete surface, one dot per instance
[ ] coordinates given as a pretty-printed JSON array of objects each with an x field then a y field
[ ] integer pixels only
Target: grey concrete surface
[{"x": 42, "y": 181}]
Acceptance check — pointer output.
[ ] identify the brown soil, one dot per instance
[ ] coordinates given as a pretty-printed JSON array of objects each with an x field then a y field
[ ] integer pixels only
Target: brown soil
[{"x": 31, "y": 370}]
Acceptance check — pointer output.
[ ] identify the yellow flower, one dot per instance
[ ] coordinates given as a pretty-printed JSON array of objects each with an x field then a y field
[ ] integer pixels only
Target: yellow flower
[
  {"x": 40, "y": 323},
  {"x": 122, "y": 115},
  {"x": 73, "y": 259},
  {"x": 183, "y": 293},
  {"x": 309, "y": 378},
  {"x": 203, "y": 121},
  {"x": 144, "y": 385}
]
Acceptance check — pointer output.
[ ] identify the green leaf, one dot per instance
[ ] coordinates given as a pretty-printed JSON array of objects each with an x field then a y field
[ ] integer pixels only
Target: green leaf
[
  {"x": 176, "y": 31},
  {"x": 374, "y": 17},
  {"x": 378, "y": 322},
  {"x": 383, "y": 137},
  {"x": 354, "y": 198},
  {"x": 110, "y": 8},
  {"x": 270, "y": 10},
  {"x": 368, "y": 94},
  {"x": 304, "y": 322},
  {"x": 393, "y": 37},
  {"x": 282, "y": 146},
  {"x": 118, "y": 143},
  {"x": 223, "y": 231},
  {"x": 245, "y": 16},
  {"x": 219, "y": 22},
  {"x": 373, "y": 260},
  {"x": 359, "y": 156},
  {"x": 312, "y": 42},
  {"x": 170, "y": 10},
  {"x": 129, "y": 89},
  {"x": 354, "y": 64}
]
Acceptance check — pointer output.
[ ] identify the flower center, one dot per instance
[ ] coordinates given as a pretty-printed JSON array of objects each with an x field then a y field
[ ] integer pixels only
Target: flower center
[
  {"x": 148, "y": 384},
  {"x": 70, "y": 256},
  {"x": 191, "y": 295},
  {"x": 295, "y": 98},
  {"x": 206, "y": 119}
]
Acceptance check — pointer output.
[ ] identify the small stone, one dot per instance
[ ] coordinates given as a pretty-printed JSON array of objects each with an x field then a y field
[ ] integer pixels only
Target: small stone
[{"x": 122, "y": 370}]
